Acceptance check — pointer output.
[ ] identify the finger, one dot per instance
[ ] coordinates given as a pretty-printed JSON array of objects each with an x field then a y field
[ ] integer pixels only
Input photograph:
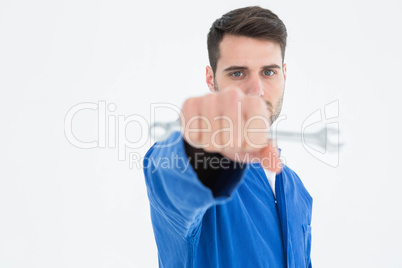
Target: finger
[
  {"x": 207, "y": 122},
  {"x": 256, "y": 123},
  {"x": 221, "y": 134},
  {"x": 191, "y": 122},
  {"x": 232, "y": 109}
]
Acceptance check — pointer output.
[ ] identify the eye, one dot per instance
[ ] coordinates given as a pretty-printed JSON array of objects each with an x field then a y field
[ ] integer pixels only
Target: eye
[
  {"x": 237, "y": 74},
  {"x": 269, "y": 72}
]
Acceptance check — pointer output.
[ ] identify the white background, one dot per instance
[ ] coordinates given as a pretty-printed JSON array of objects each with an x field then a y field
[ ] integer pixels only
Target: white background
[{"x": 62, "y": 206}]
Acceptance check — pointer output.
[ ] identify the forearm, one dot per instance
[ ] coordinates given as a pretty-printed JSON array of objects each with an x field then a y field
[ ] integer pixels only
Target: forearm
[
  {"x": 215, "y": 171},
  {"x": 182, "y": 193}
]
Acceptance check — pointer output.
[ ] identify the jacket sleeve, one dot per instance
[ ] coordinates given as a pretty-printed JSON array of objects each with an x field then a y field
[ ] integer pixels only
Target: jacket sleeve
[{"x": 176, "y": 192}]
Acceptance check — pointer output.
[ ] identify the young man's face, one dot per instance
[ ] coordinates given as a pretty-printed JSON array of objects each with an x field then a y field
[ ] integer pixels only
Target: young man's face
[{"x": 254, "y": 66}]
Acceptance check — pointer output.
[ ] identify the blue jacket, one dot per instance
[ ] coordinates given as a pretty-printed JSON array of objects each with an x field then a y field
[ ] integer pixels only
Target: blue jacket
[{"x": 240, "y": 226}]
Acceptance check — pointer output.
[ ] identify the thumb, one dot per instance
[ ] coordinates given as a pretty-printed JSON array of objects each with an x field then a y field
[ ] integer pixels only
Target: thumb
[{"x": 269, "y": 158}]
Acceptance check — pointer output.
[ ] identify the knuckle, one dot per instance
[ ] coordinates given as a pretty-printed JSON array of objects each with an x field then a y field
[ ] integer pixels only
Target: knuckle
[
  {"x": 210, "y": 99},
  {"x": 254, "y": 102},
  {"x": 188, "y": 104},
  {"x": 233, "y": 96}
]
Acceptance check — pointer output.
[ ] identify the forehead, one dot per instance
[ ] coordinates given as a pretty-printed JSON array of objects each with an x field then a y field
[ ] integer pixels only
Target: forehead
[{"x": 249, "y": 52}]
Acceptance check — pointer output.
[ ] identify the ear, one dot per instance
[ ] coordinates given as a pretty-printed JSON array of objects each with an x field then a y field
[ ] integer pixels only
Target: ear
[
  {"x": 210, "y": 79},
  {"x": 284, "y": 70}
]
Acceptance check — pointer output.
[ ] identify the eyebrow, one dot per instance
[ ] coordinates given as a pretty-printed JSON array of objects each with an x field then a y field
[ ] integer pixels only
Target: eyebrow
[
  {"x": 272, "y": 66},
  {"x": 239, "y": 68}
]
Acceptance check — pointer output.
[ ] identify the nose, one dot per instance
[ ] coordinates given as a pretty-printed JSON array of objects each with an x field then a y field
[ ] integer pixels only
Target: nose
[{"x": 254, "y": 86}]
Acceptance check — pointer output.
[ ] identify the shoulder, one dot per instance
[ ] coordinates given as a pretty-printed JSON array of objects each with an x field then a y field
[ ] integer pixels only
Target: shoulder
[{"x": 173, "y": 145}]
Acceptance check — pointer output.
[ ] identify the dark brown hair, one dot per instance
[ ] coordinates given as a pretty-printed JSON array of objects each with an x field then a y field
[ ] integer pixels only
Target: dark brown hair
[{"x": 254, "y": 22}]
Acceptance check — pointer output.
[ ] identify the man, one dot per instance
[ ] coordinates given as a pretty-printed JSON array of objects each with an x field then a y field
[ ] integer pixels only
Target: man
[{"x": 225, "y": 209}]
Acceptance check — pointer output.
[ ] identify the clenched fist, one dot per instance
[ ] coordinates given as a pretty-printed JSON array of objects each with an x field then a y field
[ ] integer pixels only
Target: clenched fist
[{"x": 232, "y": 124}]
